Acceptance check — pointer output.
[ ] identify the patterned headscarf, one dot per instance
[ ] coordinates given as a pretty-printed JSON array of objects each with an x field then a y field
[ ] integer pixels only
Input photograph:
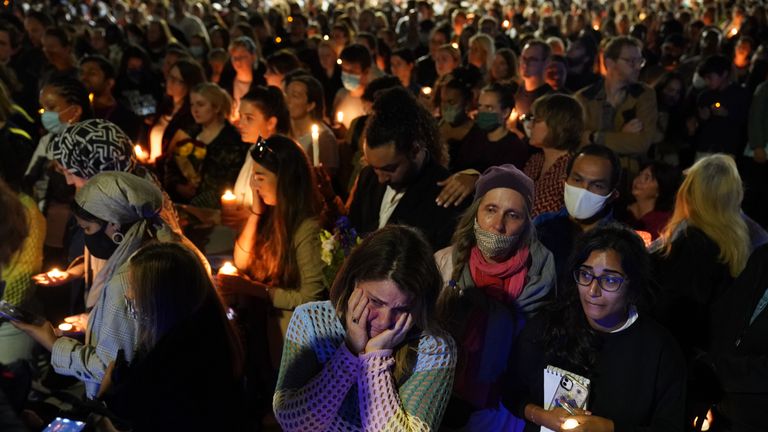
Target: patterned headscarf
[
  {"x": 124, "y": 199},
  {"x": 93, "y": 146}
]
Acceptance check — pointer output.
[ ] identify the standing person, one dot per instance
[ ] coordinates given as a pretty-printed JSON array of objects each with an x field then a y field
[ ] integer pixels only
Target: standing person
[
  {"x": 555, "y": 126},
  {"x": 653, "y": 191},
  {"x": 533, "y": 64},
  {"x": 245, "y": 71},
  {"x": 277, "y": 254},
  {"x": 620, "y": 110},
  {"x": 594, "y": 330},
  {"x": 497, "y": 275},
  {"x": 378, "y": 356}
]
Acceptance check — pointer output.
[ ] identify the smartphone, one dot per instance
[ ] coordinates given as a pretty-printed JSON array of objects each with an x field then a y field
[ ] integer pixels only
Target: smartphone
[
  {"x": 64, "y": 425},
  {"x": 571, "y": 391},
  {"x": 15, "y": 313}
]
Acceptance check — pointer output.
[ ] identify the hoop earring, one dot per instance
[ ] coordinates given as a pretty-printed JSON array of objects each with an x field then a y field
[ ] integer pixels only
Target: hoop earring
[{"x": 118, "y": 238}]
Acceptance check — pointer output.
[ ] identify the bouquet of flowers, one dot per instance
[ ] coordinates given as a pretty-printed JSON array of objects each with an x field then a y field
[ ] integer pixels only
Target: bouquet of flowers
[
  {"x": 189, "y": 155},
  {"x": 337, "y": 246}
]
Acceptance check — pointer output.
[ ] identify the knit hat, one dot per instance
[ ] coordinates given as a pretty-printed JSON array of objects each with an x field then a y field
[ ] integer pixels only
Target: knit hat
[{"x": 505, "y": 176}]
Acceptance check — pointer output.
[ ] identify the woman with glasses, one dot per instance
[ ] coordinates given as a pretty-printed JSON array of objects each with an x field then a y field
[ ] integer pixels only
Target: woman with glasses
[
  {"x": 497, "y": 275},
  {"x": 635, "y": 369},
  {"x": 277, "y": 253},
  {"x": 554, "y": 126}
]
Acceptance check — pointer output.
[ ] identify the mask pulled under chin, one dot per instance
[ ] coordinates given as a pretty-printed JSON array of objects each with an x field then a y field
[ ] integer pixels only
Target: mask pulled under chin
[
  {"x": 494, "y": 245},
  {"x": 583, "y": 204},
  {"x": 100, "y": 245}
]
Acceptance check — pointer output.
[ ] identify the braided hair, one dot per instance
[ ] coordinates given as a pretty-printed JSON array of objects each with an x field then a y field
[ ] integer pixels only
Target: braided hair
[{"x": 73, "y": 92}]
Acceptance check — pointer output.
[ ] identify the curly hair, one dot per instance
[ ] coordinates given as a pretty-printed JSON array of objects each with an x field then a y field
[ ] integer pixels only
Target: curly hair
[{"x": 400, "y": 119}]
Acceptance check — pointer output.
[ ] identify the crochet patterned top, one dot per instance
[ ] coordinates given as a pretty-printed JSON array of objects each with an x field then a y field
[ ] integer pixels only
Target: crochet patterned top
[{"x": 322, "y": 386}]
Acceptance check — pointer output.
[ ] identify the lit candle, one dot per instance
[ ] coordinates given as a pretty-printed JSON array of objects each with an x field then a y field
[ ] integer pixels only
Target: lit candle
[
  {"x": 66, "y": 327},
  {"x": 505, "y": 24},
  {"x": 426, "y": 90},
  {"x": 596, "y": 27},
  {"x": 228, "y": 199},
  {"x": 643, "y": 16},
  {"x": 646, "y": 236},
  {"x": 513, "y": 115},
  {"x": 228, "y": 269},
  {"x": 570, "y": 424},
  {"x": 717, "y": 104},
  {"x": 141, "y": 155},
  {"x": 155, "y": 143},
  {"x": 325, "y": 37},
  {"x": 455, "y": 45},
  {"x": 56, "y": 274},
  {"x": 315, "y": 145},
  {"x": 338, "y": 62},
  {"x": 340, "y": 117},
  {"x": 278, "y": 40},
  {"x": 734, "y": 31},
  {"x": 90, "y": 97}
]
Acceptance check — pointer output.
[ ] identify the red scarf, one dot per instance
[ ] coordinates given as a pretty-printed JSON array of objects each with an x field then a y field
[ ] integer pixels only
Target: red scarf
[{"x": 502, "y": 281}]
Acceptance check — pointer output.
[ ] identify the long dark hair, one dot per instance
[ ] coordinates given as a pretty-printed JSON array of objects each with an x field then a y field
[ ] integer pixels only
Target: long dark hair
[
  {"x": 400, "y": 254},
  {"x": 567, "y": 335},
  {"x": 297, "y": 200},
  {"x": 169, "y": 286}
]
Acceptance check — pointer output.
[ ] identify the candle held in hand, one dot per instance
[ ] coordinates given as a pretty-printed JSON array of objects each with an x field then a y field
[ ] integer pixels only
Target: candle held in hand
[
  {"x": 570, "y": 424},
  {"x": 315, "y": 145},
  {"x": 228, "y": 269},
  {"x": 340, "y": 117},
  {"x": 56, "y": 274},
  {"x": 66, "y": 327}
]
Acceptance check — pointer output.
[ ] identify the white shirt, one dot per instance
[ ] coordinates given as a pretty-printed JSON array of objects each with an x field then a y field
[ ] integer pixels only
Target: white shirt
[{"x": 388, "y": 204}]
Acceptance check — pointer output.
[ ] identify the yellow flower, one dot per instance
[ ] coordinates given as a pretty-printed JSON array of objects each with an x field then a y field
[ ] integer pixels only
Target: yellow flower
[
  {"x": 185, "y": 150},
  {"x": 199, "y": 153}
]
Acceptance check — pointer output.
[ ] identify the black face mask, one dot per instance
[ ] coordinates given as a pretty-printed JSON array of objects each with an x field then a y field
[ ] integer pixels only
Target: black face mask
[{"x": 100, "y": 245}]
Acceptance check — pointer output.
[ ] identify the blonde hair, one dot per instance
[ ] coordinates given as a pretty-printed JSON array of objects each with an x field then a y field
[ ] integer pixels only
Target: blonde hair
[
  {"x": 487, "y": 43},
  {"x": 218, "y": 97},
  {"x": 710, "y": 200}
]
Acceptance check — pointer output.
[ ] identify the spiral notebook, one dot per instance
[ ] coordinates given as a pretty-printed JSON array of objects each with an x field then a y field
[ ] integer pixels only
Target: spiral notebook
[{"x": 575, "y": 388}]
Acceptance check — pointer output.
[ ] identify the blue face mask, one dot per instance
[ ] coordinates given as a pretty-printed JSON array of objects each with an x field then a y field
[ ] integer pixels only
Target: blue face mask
[
  {"x": 52, "y": 123},
  {"x": 351, "y": 82}
]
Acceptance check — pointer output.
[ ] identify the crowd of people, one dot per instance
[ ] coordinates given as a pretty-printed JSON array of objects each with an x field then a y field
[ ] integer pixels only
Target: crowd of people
[{"x": 523, "y": 190}]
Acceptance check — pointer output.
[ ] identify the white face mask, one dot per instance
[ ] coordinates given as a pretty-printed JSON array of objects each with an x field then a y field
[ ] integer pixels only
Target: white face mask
[{"x": 583, "y": 204}]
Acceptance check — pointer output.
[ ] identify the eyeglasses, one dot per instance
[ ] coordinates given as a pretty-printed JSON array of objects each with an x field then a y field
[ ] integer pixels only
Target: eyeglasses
[
  {"x": 606, "y": 282},
  {"x": 640, "y": 61},
  {"x": 527, "y": 118}
]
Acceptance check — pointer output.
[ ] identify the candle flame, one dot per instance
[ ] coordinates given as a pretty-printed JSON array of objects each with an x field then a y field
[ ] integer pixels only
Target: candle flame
[
  {"x": 90, "y": 97},
  {"x": 643, "y": 16},
  {"x": 290, "y": 19},
  {"x": 325, "y": 37},
  {"x": 646, "y": 236},
  {"x": 278, "y": 39},
  {"x": 41, "y": 111},
  {"x": 228, "y": 269},
  {"x": 455, "y": 45},
  {"x": 513, "y": 115},
  {"x": 66, "y": 327},
  {"x": 596, "y": 27},
  {"x": 427, "y": 91},
  {"x": 315, "y": 130},
  {"x": 717, "y": 104},
  {"x": 505, "y": 24},
  {"x": 570, "y": 424},
  {"x": 338, "y": 62},
  {"x": 228, "y": 196},
  {"x": 339, "y": 116},
  {"x": 707, "y": 421},
  {"x": 734, "y": 31},
  {"x": 55, "y": 273}
]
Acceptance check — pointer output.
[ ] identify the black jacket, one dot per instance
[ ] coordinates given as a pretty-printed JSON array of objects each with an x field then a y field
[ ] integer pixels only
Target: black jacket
[
  {"x": 417, "y": 207},
  {"x": 740, "y": 350}
]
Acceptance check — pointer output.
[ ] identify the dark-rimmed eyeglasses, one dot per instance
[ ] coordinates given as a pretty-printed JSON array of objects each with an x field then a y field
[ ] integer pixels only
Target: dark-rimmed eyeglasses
[
  {"x": 634, "y": 62},
  {"x": 606, "y": 282}
]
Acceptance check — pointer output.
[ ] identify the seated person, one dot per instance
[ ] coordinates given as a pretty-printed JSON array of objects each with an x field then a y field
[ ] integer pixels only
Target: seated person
[
  {"x": 373, "y": 357},
  {"x": 497, "y": 275},
  {"x": 174, "y": 380},
  {"x": 405, "y": 162},
  {"x": 594, "y": 330},
  {"x": 653, "y": 191},
  {"x": 590, "y": 190}
]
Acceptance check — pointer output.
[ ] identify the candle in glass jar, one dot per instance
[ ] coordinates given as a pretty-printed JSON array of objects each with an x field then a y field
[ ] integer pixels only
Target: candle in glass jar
[
  {"x": 228, "y": 269},
  {"x": 315, "y": 145}
]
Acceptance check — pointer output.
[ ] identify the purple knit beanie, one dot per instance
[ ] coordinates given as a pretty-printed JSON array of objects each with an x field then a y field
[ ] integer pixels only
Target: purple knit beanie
[{"x": 506, "y": 176}]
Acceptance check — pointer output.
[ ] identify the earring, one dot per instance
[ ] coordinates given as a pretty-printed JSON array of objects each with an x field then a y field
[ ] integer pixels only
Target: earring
[{"x": 118, "y": 238}]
